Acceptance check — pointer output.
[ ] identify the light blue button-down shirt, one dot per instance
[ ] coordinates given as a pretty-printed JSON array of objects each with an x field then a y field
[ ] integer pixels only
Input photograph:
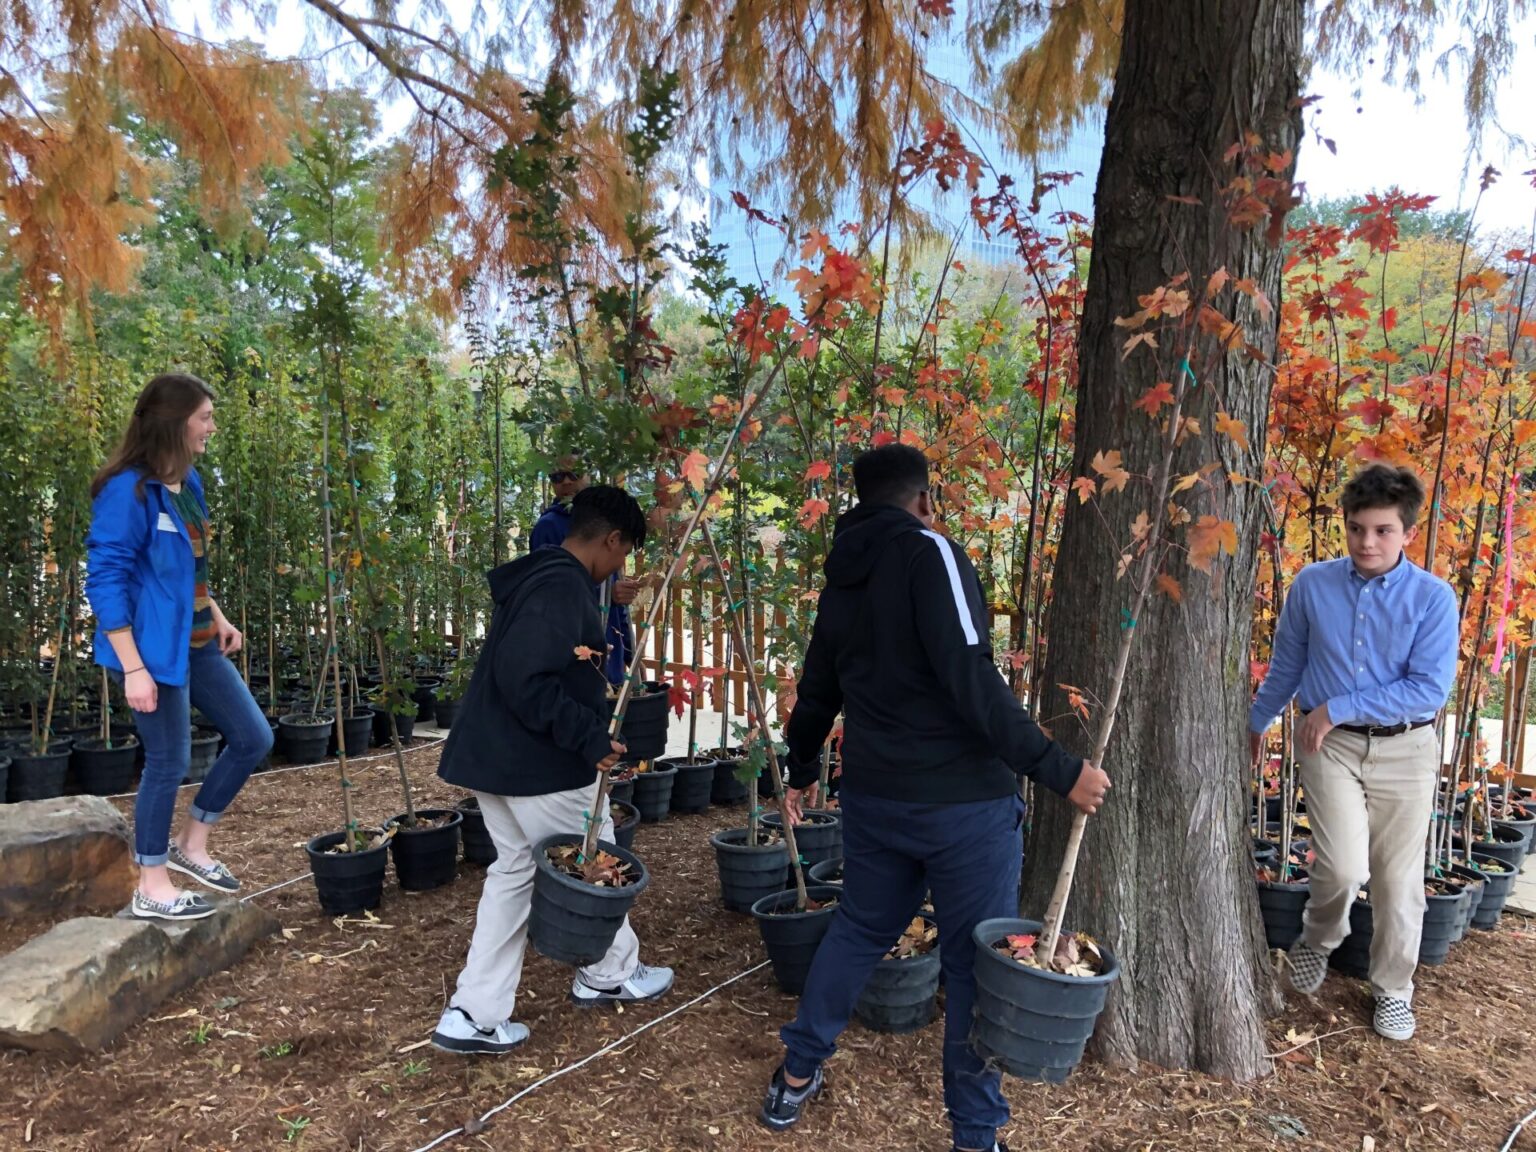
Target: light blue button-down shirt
[{"x": 1379, "y": 651}]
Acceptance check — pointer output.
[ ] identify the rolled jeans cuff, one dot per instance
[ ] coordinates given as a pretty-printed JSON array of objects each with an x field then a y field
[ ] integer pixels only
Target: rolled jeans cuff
[
  {"x": 156, "y": 860},
  {"x": 203, "y": 816},
  {"x": 975, "y": 1137}
]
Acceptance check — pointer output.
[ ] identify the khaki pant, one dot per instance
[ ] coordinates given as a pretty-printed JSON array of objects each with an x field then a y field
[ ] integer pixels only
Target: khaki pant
[
  {"x": 487, "y": 988},
  {"x": 1368, "y": 804}
]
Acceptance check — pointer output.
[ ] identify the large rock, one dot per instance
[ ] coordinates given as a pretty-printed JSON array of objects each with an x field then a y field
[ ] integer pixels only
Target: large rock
[
  {"x": 60, "y": 855},
  {"x": 81, "y": 985}
]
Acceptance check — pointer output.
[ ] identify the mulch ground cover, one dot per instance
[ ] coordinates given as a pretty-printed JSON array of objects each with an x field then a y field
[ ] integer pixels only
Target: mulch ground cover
[{"x": 316, "y": 1039}]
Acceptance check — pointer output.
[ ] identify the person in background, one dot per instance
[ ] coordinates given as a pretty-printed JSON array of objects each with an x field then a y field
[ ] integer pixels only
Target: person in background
[
  {"x": 1367, "y": 644},
  {"x": 162, "y": 634},
  {"x": 934, "y": 745},
  {"x": 550, "y": 531},
  {"x": 531, "y": 739}
]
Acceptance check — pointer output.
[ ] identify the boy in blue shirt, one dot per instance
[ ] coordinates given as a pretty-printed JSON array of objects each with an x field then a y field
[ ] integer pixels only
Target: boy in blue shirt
[{"x": 1368, "y": 646}]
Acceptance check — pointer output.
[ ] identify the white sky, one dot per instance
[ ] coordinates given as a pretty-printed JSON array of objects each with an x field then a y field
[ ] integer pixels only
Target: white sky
[{"x": 1383, "y": 135}]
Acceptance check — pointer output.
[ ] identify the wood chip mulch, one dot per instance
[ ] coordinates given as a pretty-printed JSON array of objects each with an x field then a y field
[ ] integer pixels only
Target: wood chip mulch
[{"x": 316, "y": 1040}]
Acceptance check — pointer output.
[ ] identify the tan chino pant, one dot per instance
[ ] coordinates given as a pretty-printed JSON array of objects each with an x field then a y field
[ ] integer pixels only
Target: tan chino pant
[
  {"x": 487, "y": 988},
  {"x": 1368, "y": 804}
]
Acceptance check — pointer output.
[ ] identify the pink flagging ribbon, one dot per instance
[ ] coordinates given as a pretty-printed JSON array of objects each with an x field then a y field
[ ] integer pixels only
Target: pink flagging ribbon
[{"x": 1509, "y": 580}]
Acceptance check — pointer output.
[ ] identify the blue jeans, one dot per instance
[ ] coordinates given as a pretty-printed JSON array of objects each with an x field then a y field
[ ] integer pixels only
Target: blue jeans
[
  {"x": 216, "y": 690},
  {"x": 968, "y": 856}
]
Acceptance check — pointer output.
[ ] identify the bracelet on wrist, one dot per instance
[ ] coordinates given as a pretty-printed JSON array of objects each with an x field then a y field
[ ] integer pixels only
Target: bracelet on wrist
[{"x": 131, "y": 671}]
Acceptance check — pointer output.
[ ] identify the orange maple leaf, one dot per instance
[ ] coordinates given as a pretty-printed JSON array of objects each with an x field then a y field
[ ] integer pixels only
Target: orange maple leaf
[
  {"x": 1155, "y": 397},
  {"x": 1209, "y": 537},
  {"x": 1085, "y": 487},
  {"x": 1170, "y": 587},
  {"x": 820, "y": 470},
  {"x": 1107, "y": 465},
  {"x": 1233, "y": 427},
  {"x": 812, "y": 510},
  {"x": 695, "y": 469}
]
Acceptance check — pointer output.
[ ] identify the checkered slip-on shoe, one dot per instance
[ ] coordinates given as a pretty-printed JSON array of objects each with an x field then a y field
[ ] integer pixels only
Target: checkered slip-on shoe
[
  {"x": 1394, "y": 1018},
  {"x": 1308, "y": 967},
  {"x": 215, "y": 876}
]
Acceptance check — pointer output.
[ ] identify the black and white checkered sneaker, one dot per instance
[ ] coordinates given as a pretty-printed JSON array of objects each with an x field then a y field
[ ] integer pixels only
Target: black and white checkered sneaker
[
  {"x": 215, "y": 876},
  {"x": 1308, "y": 967},
  {"x": 1394, "y": 1018}
]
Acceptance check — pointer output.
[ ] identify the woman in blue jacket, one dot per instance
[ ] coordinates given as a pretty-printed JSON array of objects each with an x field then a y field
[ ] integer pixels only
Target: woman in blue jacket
[{"x": 164, "y": 636}]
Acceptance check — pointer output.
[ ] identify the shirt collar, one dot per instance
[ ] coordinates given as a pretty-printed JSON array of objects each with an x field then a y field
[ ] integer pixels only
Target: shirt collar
[{"x": 1398, "y": 571}]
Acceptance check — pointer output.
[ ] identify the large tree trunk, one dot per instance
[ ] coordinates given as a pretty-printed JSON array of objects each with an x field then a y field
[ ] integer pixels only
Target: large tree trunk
[{"x": 1165, "y": 875}]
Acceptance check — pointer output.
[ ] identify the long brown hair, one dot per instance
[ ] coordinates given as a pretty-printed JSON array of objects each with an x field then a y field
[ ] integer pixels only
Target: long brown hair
[{"x": 156, "y": 438}]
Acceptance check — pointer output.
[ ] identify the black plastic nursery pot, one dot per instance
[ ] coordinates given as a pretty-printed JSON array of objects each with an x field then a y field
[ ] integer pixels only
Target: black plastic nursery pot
[
  {"x": 818, "y": 837},
  {"x": 405, "y": 725},
  {"x": 1442, "y": 917},
  {"x": 1507, "y": 846},
  {"x": 624, "y": 830},
  {"x": 622, "y": 791},
  {"x": 205, "y": 750},
  {"x": 726, "y": 788},
  {"x": 747, "y": 874},
  {"x": 1032, "y": 1023},
  {"x": 1497, "y": 887},
  {"x": 424, "y": 696},
  {"x": 827, "y": 872},
  {"x": 346, "y": 882},
  {"x": 901, "y": 994},
  {"x": 644, "y": 732},
  {"x": 426, "y": 858},
  {"x": 693, "y": 784},
  {"x": 479, "y": 848},
  {"x": 1280, "y": 905},
  {"x": 1353, "y": 957},
  {"x": 572, "y": 921},
  {"x": 445, "y": 713},
  {"x": 1475, "y": 887},
  {"x": 1525, "y": 827},
  {"x": 358, "y": 731},
  {"x": 38, "y": 776},
  {"x": 1266, "y": 853},
  {"x": 653, "y": 793},
  {"x": 792, "y": 937},
  {"x": 304, "y": 736},
  {"x": 105, "y": 771},
  {"x": 5, "y": 775}
]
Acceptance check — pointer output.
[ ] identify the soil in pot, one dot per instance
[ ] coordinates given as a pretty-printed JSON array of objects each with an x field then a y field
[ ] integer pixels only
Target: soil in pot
[
  {"x": 792, "y": 936},
  {"x": 205, "y": 750},
  {"x": 748, "y": 873},
  {"x": 653, "y": 793},
  {"x": 726, "y": 788},
  {"x": 1034, "y": 1021},
  {"x": 426, "y": 853},
  {"x": 902, "y": 992},
  {"x": 305, "y": 736},
  {"x": 626, "y": 818},
  {"x": 38, "y": 775},
  {"x": 349, "y": 882},
  {"x": 1498, "y": 883},
  {"x": 479, "y": 848},
  {"x": 103, "y": 770},
  {"x": 693, "y": 784},
  {"x": 827, "y": 872},
  {"x": 818, "y": 837},
  {"x": 578, "y": 905},
  {"x": 1507, "y": 845},
  {"x": 1444, "y": 906}
]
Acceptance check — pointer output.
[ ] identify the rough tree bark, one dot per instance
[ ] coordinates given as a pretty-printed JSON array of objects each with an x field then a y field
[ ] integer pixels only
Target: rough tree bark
[{"x": 1165, "y": 875}]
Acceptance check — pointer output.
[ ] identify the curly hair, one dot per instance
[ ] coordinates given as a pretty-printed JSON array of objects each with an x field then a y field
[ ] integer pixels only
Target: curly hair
[
  {"x": 1383, "y": 486},
  {"x": 601, "y": 509}
]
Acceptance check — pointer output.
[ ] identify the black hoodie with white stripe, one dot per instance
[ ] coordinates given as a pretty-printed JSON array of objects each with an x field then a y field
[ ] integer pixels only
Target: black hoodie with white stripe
[{"x": 900, "y": 646}]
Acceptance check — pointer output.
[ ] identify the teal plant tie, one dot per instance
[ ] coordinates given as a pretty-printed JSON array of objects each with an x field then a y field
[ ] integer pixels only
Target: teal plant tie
[
  {"x": 1186, "y": 370},
  {"x": 1127, "y": 621}
]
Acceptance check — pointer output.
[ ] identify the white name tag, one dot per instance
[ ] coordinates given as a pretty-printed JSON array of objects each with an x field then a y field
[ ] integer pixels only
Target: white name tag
[{"x": 166, "y": 524}]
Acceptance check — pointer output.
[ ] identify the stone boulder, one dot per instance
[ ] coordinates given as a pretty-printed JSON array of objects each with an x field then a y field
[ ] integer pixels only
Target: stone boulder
[
  {"x": 62, "y": 855},
  {"x": 79, "y": 986}
]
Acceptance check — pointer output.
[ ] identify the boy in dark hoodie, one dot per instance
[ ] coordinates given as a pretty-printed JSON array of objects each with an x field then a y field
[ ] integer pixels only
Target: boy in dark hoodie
[
  {"x": 530, "y": 741},
  {"x": 933, "y": 747}
]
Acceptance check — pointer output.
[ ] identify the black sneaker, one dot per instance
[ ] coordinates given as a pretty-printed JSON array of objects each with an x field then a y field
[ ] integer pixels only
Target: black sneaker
[{"x": 782, "y": 1105}]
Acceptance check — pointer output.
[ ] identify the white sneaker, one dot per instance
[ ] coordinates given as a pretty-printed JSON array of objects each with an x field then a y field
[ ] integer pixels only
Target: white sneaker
[
  {"x": 645, "y": 984},
  {"x": 456, "y": 1032}
]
